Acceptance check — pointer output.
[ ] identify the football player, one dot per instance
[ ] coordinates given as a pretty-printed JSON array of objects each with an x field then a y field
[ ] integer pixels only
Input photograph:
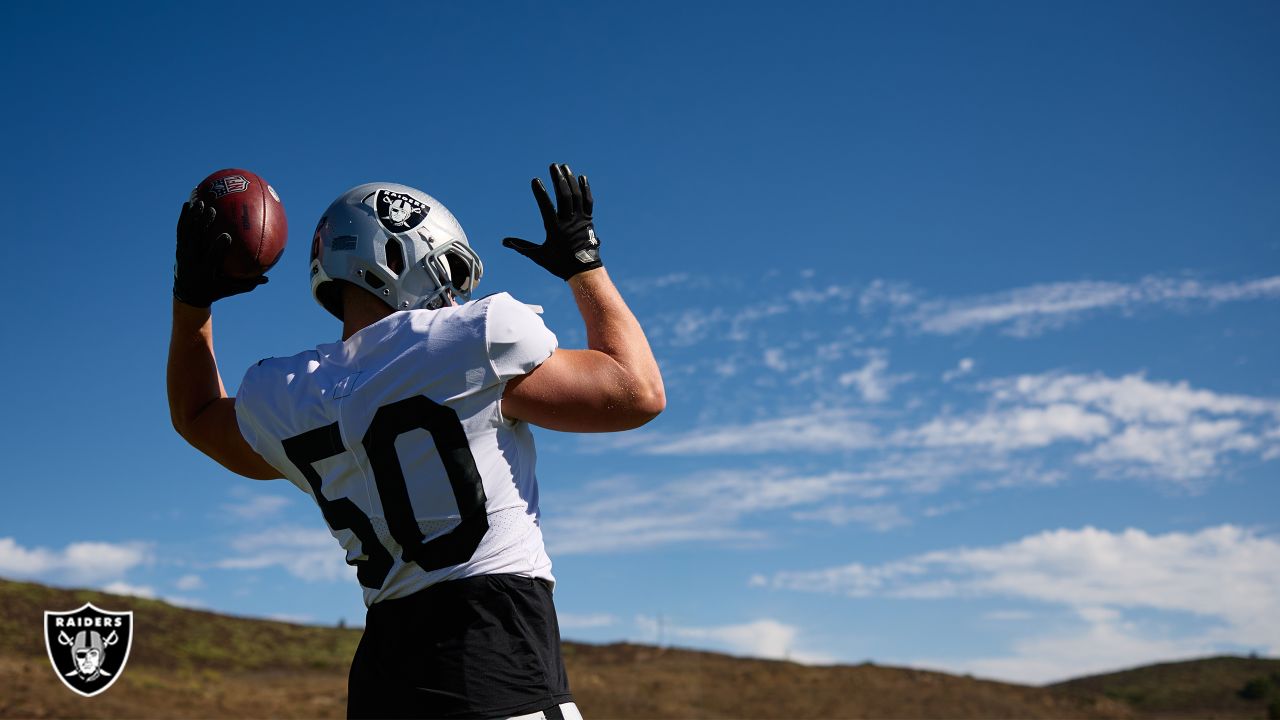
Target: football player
[{"x": 412, "y": 433}]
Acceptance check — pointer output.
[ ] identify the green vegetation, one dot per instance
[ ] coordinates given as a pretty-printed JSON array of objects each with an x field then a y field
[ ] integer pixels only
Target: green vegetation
[
  {"x": 1219, "y": 687},
  {"x": 1256, "y": 688}
]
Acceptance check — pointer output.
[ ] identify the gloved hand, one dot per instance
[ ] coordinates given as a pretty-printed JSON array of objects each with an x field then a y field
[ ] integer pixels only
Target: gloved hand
[
  {"x": 198, "y": 279},
  {"x": 571, "y": 246}
]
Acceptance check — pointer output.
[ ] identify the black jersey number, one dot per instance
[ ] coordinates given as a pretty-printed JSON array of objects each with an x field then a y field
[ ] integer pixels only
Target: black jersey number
[{"x": 390, "y": 422}]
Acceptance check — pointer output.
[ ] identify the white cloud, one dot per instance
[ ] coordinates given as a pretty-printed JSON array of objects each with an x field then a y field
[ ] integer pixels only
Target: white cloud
[
  {"x": 310, "y": 554},
  {"x": 1009, "y": 429},
  {"x": 1168, "y": 429},
  {"x": 644, "y": 285},
  {"x": 885, "y": 293},
  {"x": 824, "y": 431},
  {"x": 257, "y": 506},
  {"x": 124, "y": 588},
  {"x": 774, "y": 359},
  {"x": 623, "y": 514},
  {"x": 1179, "y": 452},
  {"x": 1100, "y": 641},
  {"x": 871, "y": 380},
  {"x": 79, "y": 562},
  {"x": 962, "y": 368},
  {"x": 575, "y": 621},
  {"x": 189, "y": 582},
  {"x": 1008, "y": 615},
  {"x": 292, "y": 618},
  {"x": 1225, "y": 574},
  {"x": 765, "y": 638},
  {"x": 875, "y": 517},
  {"x": 1028, "y": 311},
  {"x": 1131, "y": 398},
  {"x": 120, "y": 587},
  {"x": 809, "y": 296},
  {"x": 1119, "y": 426}
]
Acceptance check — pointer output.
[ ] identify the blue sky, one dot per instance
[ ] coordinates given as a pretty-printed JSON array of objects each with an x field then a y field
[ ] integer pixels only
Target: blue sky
[{"x": 967, "y": 311}]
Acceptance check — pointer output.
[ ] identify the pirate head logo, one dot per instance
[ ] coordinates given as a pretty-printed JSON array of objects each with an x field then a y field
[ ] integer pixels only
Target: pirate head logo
[
  {"x": 229, "y": 184},
  {"x": 88, "y": 647},
  {"x": 399, "y": 212}
]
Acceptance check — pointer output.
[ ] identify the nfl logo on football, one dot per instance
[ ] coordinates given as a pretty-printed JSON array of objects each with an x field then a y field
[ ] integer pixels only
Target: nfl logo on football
[{"x": 88, "y": 647}]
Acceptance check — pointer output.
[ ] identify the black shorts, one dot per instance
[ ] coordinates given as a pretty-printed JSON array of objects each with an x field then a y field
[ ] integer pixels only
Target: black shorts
[{"x": 480, "y": 647}]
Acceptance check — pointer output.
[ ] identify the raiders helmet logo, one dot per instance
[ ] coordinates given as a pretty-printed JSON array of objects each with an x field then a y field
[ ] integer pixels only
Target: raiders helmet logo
[
  {"x": 399, "y": 212},
  {"x": 88, "y": 647},
  {"x": 229, "y": 184}
]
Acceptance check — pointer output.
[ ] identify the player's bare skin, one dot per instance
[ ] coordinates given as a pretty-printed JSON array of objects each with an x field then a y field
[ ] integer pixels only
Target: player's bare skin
[{"x": 198, "y": 404}]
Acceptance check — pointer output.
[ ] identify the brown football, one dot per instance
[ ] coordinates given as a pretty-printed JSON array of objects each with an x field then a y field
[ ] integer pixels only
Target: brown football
[{"x": 249, "y": 210}]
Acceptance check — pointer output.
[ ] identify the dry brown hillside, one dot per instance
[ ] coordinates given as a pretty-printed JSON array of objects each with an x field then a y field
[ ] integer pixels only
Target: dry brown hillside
[{"x": 188, "y": 663}]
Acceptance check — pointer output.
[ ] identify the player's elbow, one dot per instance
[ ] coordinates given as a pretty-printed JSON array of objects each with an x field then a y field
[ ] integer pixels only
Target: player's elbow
[
  {"x": 652, "y": 402},
  {"x": 647, "y": 404},
  {"x": 181, "y": 424}
]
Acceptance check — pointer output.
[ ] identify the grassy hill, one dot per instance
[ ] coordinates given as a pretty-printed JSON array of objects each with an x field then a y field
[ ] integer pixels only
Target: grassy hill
[
  {"x": 1220, "y": 687},
  {"x": 188, "y": 663}
]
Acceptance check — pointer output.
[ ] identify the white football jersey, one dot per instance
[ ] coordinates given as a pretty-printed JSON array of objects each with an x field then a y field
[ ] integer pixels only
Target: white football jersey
[{"x": 398, "y": 436}]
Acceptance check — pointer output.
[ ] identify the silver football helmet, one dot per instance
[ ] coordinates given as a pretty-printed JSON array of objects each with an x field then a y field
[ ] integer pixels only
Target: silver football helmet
[{"x": 398, "y": 243}]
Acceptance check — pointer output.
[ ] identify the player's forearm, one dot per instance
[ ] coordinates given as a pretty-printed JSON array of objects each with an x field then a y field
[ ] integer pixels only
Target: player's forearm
[
  {"x": 613, "y": 330},
  {"x": 192, "y": 374}
]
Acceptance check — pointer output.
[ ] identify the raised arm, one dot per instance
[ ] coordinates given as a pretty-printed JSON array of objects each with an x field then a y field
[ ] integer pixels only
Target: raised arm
[
  {"x": 198, "y": 404},
  {"x": 613, "y": 385}
]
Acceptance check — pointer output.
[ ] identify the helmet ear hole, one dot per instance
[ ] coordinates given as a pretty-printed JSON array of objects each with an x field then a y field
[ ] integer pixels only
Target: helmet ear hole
[{"x": 395, "y": 257}]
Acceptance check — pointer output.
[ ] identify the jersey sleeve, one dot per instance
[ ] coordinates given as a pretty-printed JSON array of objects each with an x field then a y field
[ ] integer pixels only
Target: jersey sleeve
[
  {"x": 249, "y": 408},
  {"x": 516, "y": 339}
]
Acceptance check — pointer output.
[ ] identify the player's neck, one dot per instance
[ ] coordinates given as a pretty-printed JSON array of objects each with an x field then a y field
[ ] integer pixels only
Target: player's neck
[{"x": 360, "y": 310}]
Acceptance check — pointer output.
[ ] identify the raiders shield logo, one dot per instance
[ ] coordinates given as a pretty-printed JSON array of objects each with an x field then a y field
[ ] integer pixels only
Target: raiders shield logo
[
  {"x": 88, "y": 647},
  {"x": 399, "y": 212}
]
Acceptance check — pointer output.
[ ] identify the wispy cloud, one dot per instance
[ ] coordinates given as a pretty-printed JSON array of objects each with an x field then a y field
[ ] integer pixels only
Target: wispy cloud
[
  {"x": 257, "y": 506},
  {"x": 824, "y": 431},
  {"x": 310, "y": 554},
  {"x": 1098, "y": 640},
  {"x": 880, "y": 517},
  {"x": 1097, "y": 573},
  {"x": 764, "y": 638},
  {"x": 1166, "y": 429},
  {"x": 624, "y": 514},
  {"x": 120, "y": 587},
  {"x": 962, "y": 368},
  {"x": 1007, "y": 429},
  {"x": 578, "y": 621},
  {"x": 1128, "y": 425},
  {"x": 884, "y": 307},
  {"x": 189, "y": 582},
  {"x": 872, "y": 380},
  {"x": 1028, "y": 311},
  {"x": 80, "y": 562}
]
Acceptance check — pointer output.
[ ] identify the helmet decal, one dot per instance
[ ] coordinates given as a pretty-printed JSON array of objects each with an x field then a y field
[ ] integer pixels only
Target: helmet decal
[{"x": 399, "y": 212}]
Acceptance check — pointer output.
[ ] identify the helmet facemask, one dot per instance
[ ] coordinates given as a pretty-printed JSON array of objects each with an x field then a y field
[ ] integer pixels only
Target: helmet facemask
[{"x": 455, "y": 270}]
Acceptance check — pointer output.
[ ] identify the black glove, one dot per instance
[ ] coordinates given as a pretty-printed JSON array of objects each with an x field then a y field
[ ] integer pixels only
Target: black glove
[
  {"x": 198, "y": 279},
  {"x": 571, "y": 245}
]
